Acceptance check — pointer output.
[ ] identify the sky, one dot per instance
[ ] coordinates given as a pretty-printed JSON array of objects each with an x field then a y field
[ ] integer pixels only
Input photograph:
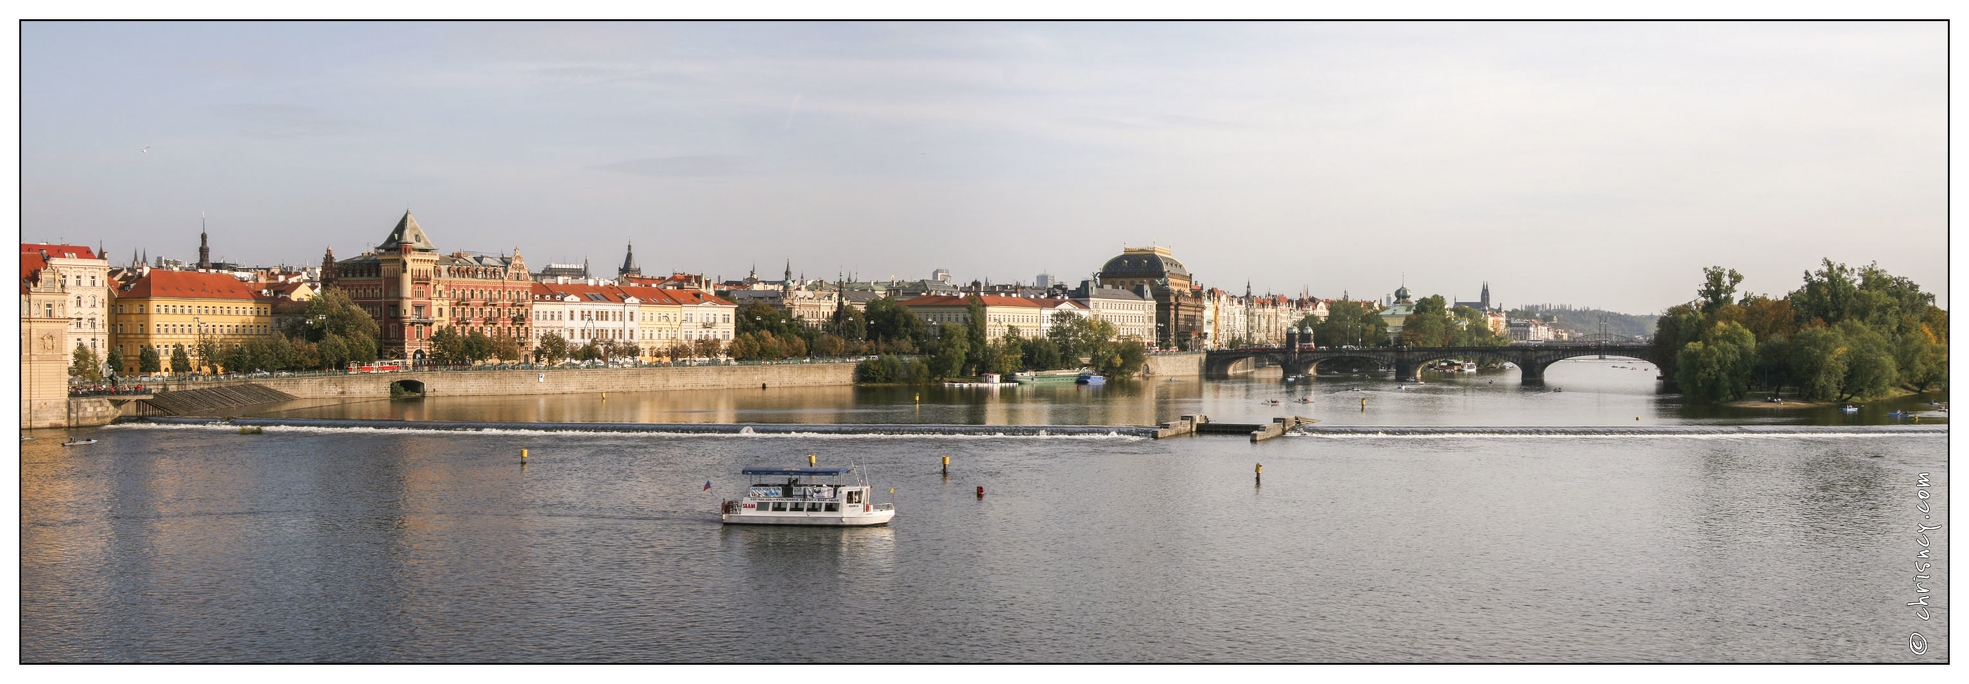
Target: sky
[{"x": 1592, "y": 164}]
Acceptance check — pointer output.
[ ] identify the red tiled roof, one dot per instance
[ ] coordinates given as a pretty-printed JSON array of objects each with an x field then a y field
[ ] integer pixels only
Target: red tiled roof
[
  {"x": 190, "y": 284},
  {"x": 59, "y": 251},
  {"x": 618, "y": 293},
  {"x": 1049, "y": 303},
  {"x": 31, "y": 262},
  {"x": 989, "y": 300}
]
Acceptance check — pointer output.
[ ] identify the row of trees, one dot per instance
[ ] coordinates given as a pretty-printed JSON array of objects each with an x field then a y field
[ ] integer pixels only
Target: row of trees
[
  {"x": 964, "y": 349},
  {"x": 450, "y": 347},
  {"x": 1433, "y": 323},
  {"x": 1844, "y": 334}
]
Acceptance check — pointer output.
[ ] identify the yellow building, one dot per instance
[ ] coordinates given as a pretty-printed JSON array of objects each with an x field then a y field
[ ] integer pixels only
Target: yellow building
[
  {"x": 1001, "y": 313},
  {"x": 164, "y": 310}
]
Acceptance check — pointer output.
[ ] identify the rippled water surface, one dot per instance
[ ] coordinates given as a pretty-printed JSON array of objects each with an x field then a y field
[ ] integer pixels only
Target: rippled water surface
[{"x": 196, "y": 543}]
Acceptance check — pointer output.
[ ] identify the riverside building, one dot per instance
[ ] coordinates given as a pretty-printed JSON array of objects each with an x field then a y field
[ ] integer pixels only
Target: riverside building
[
  {"x": 1001, "y": 313},
  {"x": 412, "y": 290},
  {"x": 191, "y": 310},
  {"x": 656, "y": 320},
  {"x": 1178, "y": 303},
  {"x": 1131, "y": 312},
  {"x": 82, "y": 277}
]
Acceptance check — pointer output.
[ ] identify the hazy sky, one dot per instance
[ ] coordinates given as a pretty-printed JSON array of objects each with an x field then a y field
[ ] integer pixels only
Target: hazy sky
[{"x": 1598, "y": 164}]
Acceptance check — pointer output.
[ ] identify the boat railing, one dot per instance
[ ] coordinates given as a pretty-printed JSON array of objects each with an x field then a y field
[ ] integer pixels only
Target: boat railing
[{"x": 798, "y": 495}]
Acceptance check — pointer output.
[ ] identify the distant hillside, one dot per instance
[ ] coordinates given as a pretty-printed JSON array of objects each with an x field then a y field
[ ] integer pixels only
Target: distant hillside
[{"x": 1585, "y": 321}]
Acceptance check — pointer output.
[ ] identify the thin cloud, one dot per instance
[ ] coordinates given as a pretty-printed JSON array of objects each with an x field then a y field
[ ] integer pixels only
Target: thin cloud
[
  {"x": 280, "y": 121},
  {"x": 702, "y": 166}
]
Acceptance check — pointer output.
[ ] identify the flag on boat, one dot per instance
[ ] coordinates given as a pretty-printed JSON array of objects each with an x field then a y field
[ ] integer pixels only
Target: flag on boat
[{"x": 707, "y": 485}]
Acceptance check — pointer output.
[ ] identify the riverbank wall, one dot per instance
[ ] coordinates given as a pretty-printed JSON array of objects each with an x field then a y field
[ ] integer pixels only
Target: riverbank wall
[
  {"x": 553, "y": 381},
  {"x": 1177, "y": 364}
]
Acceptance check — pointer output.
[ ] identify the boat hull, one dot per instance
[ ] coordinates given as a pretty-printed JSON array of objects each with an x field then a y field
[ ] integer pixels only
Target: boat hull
[{"x": 814, "y": 520}]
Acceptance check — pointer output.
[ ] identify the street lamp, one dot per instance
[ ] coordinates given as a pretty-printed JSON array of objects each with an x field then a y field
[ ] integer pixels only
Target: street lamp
[{"x": 198, "y": 340}]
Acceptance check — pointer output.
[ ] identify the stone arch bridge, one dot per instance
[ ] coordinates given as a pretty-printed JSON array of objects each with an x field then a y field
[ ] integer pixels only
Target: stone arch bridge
[{"x": 1531, "y": 359}]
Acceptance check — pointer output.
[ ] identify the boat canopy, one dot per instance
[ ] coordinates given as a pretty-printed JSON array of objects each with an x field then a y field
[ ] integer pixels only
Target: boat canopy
[{"x": 843, "y": 470}]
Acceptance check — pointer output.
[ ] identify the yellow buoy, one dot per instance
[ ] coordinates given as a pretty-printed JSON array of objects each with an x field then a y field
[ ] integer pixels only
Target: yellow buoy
[
  {"x": 810, "y": 459},
  {"x": 522, "y": 454}
]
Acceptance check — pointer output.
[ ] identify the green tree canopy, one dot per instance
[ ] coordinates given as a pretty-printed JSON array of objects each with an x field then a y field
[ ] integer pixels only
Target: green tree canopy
[
  {"x": 552, "y": 348},
  {"x": 953, "y": 348},
  {"x": 1718, "y": 285},
  {"x": 1351, "y": 323},
  {"x": 82, "y": 364},
  {"x": 1717, "y": 366},
  {"x": 894, "y": 326}
]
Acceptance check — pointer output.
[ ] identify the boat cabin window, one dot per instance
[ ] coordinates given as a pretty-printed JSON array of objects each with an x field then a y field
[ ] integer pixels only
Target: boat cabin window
[
  {"x": 779, "y": 505},
  {"x": 833, "y": 507},
  {"x": 854, "y": 497}
]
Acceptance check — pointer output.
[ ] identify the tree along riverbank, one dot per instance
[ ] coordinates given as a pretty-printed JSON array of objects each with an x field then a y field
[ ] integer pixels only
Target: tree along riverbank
[{"x": 1846, "y": 334}]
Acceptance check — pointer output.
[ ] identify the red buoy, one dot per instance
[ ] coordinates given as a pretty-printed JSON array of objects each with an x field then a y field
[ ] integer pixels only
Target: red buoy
[{"x": 980, "y": 491}]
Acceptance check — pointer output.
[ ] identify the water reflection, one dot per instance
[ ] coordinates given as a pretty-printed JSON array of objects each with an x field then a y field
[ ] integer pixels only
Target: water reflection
[{"x": 1577, "y": 392}]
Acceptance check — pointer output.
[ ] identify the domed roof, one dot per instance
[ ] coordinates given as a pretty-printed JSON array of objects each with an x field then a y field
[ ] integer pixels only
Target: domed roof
[{"x": 1152, "y": 262}]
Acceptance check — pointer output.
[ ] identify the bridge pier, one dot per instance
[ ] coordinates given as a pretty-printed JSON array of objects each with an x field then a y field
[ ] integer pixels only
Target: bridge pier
[
  {"x": 1299, "y": 367},
  {"x": 1531, "y": 373}
]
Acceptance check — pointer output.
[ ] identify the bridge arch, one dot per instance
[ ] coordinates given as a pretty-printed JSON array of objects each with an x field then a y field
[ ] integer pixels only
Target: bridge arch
[
  {"x": 1531, "y": 368},
  {"x": 406, "y": 389},
  {"x": 1310, "y": 365}
]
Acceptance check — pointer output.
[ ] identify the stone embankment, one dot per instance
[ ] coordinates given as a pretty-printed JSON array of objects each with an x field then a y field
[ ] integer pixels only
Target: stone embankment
[
  {"x": 554, "y": 381},
  {"x": 207, "y": 400},
  {"x": 1174, "y": 364}
]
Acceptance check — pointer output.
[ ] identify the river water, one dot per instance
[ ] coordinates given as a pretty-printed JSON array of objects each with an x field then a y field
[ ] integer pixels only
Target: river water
[{"x": 197, "y": 543}]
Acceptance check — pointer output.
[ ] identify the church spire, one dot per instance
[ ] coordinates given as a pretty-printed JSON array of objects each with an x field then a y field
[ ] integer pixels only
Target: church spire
[
  {"x": 629, "y": 266},
  {"x": 204, "y": 247}
]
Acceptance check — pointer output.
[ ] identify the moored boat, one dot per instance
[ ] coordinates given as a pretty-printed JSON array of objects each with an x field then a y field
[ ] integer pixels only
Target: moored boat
[
  {"x": 1090, "y": 379},
  {"x": 1042, "y": 377},
  {"x": 807, "y": 496},
  {"x": 79, "y": 442}
]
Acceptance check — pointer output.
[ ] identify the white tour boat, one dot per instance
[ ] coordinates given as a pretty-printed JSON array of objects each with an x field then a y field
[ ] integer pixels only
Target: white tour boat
[{"x": 806, "y": 496}]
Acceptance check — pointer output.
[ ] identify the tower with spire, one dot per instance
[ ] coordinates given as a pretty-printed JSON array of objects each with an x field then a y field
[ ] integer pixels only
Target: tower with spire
[
  {"x": 204, "y": 247},
  {"x": 629, "y": 267}
]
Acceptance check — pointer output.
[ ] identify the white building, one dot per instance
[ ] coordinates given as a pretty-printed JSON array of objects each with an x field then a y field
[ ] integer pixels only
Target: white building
[
  {"x": 583, "y": 312},
  {"x": 1131, "y": 312},
  {"x": 83, "y": 277}
]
